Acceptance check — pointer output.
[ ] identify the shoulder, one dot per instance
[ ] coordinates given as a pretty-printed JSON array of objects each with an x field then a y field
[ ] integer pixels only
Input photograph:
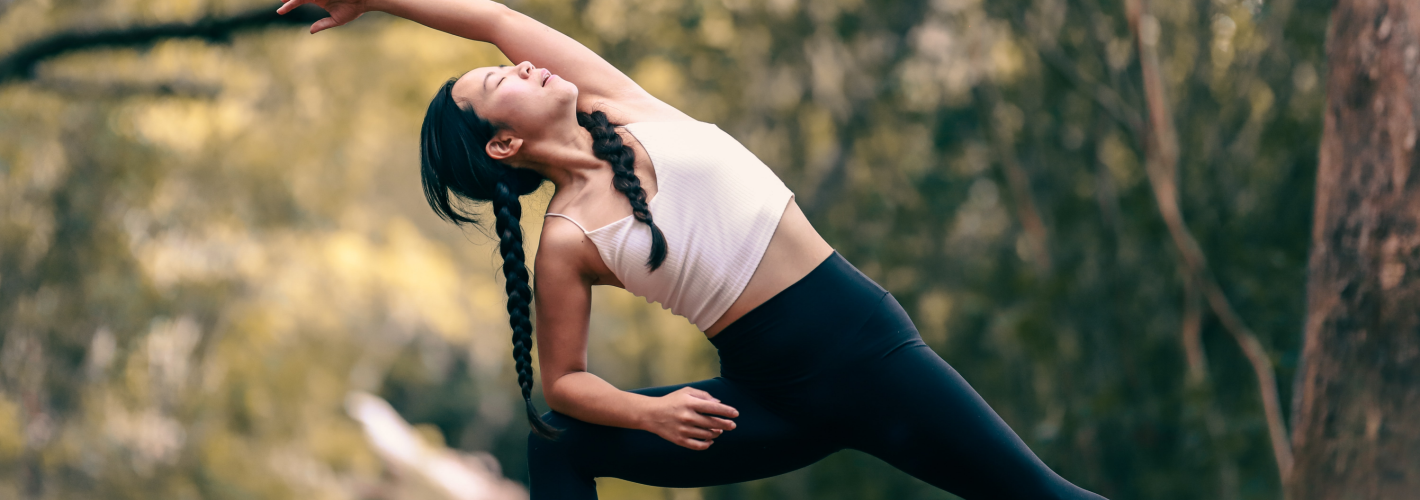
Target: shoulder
[
  {"x": 562, "y": 250},
  {"x": 560, "y": 238}
]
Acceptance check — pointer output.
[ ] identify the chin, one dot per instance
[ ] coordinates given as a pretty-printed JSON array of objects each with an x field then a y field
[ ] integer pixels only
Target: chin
[{"x": 568, "y": 93}]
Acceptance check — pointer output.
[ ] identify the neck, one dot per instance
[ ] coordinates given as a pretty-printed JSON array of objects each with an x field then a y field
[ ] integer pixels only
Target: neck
[{"x": 562, "y": 154}]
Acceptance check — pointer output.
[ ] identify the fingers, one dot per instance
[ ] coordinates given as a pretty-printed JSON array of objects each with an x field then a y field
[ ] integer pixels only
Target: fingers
[
  {"x": 290, "y": 4},
  {"x": 710, "y": 422},
  {"x": 715, "y": 408},
  {"x": 699, "y": 394},
  {"x": 323, "y": 24},
  {"x": 702, "y": 419},
  {"x": 699, "y": 433},
  {"x": 709, "y": 404},
  {"x": 696, "y": 438},
  {"x": 695, "y": 444}
]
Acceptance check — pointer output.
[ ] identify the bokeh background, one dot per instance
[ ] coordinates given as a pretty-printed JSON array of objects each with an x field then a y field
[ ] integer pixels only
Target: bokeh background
[{"x": 207, "y": 243}]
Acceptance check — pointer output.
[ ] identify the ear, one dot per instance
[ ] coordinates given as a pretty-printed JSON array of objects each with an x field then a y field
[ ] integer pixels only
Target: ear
[{"x": 503, "y": 145}]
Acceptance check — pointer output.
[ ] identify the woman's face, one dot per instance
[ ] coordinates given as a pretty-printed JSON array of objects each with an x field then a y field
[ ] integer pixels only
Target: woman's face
[{"x": 523, "y": 98}]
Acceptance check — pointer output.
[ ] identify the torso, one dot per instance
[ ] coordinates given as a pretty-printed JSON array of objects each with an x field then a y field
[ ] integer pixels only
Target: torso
[{"x": 794, "y": 250}]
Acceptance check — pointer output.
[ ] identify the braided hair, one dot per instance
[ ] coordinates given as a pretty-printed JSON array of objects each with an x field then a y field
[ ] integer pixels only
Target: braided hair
[
  {"x": 457, "y": 172},
  {"x": 606, "y": 144}
]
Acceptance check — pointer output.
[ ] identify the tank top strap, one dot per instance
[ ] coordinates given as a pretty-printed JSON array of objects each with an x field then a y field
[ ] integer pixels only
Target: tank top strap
[{"x": 579, "y": 225}]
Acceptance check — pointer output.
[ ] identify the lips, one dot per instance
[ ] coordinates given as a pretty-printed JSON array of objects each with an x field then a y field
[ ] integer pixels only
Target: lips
[{"x": 546, "y": 75}]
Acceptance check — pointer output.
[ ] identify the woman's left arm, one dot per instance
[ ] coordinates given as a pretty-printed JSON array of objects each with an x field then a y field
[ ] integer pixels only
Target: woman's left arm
[{"x": 519, "y": 37}]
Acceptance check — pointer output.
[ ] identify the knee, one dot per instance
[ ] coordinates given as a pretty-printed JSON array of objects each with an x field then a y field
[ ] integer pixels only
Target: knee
[
  {"x": 536, "y": 440},
  {"x": 557, "y": 467},
  {"x": 548, "y": 459},
  {"x": 543, "y": 449}
]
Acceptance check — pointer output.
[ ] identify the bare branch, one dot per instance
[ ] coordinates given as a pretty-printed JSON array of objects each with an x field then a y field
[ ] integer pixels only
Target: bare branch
[
  {"x": 1193, "y": 333},
  {"x": 1213, "y": 421},
  {"x": 1161, "y": 151},
  {"x": 830, "y": 187},
  {"x": 1103, "y": 95},
  {"x": 174, "y": 88},
  {"x": 20, "y": 64},
  {"x": 1037, "y": 237}
]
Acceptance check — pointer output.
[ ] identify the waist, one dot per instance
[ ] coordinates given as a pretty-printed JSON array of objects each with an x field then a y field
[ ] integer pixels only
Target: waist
[
  {"x": 834, "y": 315},
  {"x": 794, "y": 251}
]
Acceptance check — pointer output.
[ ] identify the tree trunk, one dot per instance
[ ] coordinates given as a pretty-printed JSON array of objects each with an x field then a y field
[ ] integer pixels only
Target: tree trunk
[{"x": 1357, "y": 420}]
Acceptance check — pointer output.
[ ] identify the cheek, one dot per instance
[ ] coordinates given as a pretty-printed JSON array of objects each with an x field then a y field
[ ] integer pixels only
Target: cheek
[
  {"x": 506, "y": 106},
  {"x": 520, "y": 100},
  {"x": 523, "y": 105}
]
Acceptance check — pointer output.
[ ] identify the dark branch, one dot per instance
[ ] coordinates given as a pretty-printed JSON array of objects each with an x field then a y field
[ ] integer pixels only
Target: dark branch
[
  {"x": 175, "y": 88},
  {"x": 20, "y": 64},
  {"x": 830, "y": 187}
]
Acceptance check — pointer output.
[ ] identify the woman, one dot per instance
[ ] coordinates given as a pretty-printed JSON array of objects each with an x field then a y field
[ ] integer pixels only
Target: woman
[{"x": 815, "y": 357}]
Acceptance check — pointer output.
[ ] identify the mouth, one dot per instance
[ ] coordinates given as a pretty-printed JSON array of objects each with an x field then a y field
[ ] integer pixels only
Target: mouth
[{"x": 546, "y": 75}]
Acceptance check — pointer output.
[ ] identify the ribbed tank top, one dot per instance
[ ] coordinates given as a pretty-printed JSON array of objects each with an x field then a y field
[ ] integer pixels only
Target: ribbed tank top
[{"x": 717, "y": 206}]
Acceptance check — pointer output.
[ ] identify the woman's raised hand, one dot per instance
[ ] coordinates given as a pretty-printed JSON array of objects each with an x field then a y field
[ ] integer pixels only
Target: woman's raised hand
[
  {"x": 689, "y": 417},
  {"x": 341, "y": 11}
]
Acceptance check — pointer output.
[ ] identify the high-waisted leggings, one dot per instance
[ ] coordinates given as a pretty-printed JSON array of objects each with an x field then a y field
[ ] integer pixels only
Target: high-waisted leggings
[{"x": 831, "y": 362}]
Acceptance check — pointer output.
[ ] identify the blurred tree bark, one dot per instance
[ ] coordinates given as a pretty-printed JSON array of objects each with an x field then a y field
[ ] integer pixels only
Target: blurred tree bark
[{"x": 1355, "y": 431}]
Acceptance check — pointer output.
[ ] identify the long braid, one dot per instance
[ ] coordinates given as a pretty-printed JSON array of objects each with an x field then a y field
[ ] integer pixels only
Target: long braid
[
  {"x": 607, "y": 145},
  {"x": 508, "y": 212}
]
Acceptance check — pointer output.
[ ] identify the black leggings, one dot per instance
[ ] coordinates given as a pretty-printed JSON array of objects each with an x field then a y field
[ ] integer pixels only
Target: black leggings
[{"x": 831, "y": 362}]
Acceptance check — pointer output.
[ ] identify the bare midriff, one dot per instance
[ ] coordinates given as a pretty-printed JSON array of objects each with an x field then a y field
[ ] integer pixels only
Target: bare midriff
[{"x": 794, "y": 250}]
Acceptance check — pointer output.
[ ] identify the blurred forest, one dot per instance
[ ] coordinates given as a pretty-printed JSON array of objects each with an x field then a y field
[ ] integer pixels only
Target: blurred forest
[{"x": 207, "y": 243}]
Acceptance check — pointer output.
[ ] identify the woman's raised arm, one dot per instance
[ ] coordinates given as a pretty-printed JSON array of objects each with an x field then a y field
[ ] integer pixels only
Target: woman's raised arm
[{"x": 519, "y": 37}]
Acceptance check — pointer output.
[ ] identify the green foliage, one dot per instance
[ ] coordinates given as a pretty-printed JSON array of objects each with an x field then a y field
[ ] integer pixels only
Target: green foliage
[{"x": 191, "y": 280}]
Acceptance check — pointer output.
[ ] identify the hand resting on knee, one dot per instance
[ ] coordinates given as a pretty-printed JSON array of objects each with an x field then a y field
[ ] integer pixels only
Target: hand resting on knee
[{"x": 689, "y": 417}]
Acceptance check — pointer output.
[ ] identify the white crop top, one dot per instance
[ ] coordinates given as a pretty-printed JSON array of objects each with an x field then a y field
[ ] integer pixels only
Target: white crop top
[{"x": 717, "y": 206}]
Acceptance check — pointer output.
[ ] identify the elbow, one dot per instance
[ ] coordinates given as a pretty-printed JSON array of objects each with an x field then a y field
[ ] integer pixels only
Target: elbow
[{"x": 555, "y": 399}]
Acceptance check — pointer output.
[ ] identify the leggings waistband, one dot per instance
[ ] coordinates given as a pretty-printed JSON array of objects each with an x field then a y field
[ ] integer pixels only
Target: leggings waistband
[{"x": 831, "y": 314}]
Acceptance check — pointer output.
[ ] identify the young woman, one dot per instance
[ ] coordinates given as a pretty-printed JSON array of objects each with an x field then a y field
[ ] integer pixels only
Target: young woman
[{"x": 815, "y": 357}]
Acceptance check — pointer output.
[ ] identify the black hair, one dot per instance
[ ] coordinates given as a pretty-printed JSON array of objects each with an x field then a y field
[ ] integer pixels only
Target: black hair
[
  {"x": 457, "y": 172},
  {"x": 606, "y": 144}
]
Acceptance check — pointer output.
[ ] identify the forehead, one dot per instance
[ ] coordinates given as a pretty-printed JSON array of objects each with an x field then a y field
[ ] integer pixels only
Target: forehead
[{"x": 470, "y": 87}]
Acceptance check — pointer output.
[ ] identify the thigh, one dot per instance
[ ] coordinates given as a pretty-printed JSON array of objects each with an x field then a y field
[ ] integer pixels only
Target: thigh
[
  {"x": 927, "y": 421},
  {"x": 762, "y": 445}
]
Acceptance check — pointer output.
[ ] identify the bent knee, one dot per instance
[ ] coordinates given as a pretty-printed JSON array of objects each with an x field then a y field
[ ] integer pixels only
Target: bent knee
[
  {"x": 558, "y": 461},
  {"x": 547, "y": 454},
  {"x": 570, "y": 429}
]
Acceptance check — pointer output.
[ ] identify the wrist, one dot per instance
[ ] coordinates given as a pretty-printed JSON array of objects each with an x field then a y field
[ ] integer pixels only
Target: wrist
[{"x": 641, "y": 416}]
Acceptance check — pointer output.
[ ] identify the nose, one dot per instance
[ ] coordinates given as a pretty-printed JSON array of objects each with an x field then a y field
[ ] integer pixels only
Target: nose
[{"x": 525, "y": 69}]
